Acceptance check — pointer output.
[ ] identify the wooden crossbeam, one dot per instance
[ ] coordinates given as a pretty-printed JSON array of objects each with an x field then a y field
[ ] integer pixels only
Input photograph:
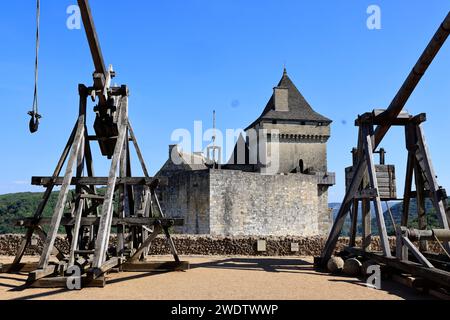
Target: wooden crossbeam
[
  {"x": 94, "y": 221},
  {"x": 98, "y": 181}
]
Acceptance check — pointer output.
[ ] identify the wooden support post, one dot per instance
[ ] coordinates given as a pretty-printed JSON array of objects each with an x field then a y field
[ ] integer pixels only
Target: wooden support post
[
  {"x": 377, "y": 201},
  {"x": 124, "y": 210},
  {"x": 354, "y": 226},
  {"x": 424, "y": 161},
  {"x": 408, "y": 186},
  {"x": 420, "y": 200},
  {"x": 366, "y": 225},
  {"x": 59, "y": 208},
  {"x": 102, "y": 241},
  {"x": 411, "y": 145}
]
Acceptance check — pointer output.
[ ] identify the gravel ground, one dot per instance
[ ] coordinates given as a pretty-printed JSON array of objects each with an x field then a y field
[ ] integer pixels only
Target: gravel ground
[{"x": 219, "y": 278}]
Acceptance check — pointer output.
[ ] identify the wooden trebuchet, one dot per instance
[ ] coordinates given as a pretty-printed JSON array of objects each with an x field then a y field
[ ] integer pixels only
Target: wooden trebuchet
[
  {"x": 368, "y": 182},
  {"x": 88, "y": 207},
  {"x": 383, "y": 121}
]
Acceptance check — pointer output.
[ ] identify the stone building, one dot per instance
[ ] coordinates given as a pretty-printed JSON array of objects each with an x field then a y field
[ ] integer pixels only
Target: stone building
[{"x": 275, "y": 183}]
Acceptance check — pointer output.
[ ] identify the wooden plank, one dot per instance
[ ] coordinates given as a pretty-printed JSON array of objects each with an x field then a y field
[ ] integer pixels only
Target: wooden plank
[
  {"x": 408, "y": 281},
  {"x": 145, "y": 266},
  {"x": 42, "y": 273},
  {"x": 98, "y": 181},
  {"x": 89, "y": 221},
  {"x": 377, "y": 202},
  {"x": 21, "y": 267},
  {"x": 61, "y": 282},
  {"x": 62, "y": 197}
]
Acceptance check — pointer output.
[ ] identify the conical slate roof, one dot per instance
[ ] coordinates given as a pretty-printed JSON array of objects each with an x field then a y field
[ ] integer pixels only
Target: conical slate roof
[{"x": 299, "y": 108}]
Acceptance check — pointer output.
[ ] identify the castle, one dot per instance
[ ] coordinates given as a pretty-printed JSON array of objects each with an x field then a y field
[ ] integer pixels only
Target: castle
[{"x": 275, "y": 183}]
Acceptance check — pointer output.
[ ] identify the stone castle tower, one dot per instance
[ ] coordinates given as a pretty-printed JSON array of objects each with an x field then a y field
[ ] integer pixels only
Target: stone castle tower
[
  {"x": 288, "y": 132},
  {"x": 250, "y": 196}
]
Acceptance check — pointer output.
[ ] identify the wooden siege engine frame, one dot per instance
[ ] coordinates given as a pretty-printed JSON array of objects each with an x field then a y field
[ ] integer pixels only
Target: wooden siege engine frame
[
  {"x": 128, "y": 204},
  {"x": 364, "y": 187}
]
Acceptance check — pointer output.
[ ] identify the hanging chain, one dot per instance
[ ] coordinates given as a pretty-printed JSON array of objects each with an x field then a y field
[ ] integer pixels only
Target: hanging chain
[{"x": 34, "y": 113}]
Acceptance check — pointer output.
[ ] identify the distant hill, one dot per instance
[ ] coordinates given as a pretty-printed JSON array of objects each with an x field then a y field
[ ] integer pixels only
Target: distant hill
[
  {"x": 396, "y": 209},
  {"x": 17, "y": 205}
]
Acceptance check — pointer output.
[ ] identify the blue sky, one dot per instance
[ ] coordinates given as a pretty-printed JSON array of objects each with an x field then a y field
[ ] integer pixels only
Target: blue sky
[{"x": 182, "y": 59}]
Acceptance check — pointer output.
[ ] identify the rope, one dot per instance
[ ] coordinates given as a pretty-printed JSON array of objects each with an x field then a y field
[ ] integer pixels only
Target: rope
[{"x": 34, "y": 113}]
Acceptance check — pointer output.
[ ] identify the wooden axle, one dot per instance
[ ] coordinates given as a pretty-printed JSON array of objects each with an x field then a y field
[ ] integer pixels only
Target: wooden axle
[{"x": 430, "y": 235}]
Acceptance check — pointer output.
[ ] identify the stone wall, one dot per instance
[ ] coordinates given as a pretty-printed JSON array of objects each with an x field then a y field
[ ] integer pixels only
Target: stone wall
[
  {"x": 237, "y": 203},
  {"x": 187, "y": 196},
  {"x": 251, "y": 204},
  {"x": 209, "y": 245}
]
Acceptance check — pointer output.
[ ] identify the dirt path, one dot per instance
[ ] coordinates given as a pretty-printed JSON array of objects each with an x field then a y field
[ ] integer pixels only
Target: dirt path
[{"x": 219, "y": 278}]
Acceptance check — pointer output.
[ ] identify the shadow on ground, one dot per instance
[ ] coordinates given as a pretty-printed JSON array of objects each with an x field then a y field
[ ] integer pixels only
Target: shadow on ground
[{"x": 16, "y": 283}]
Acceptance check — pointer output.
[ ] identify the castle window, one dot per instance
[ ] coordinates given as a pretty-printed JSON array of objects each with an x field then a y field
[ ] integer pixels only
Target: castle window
[{"x": 274, "y": 121}]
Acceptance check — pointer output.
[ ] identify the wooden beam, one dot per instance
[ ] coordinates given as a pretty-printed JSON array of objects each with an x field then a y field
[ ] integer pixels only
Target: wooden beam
[
  {"x": 354, "y": 225},
  {"x": 420, "y": 200},
  {"x": 94, "y": 221},
  {"x": 42, "y": 273},
  {"x": 97, "y": 181},
  {"x": 366, "y": 225},
  {"x": 61, "y": 282}
]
